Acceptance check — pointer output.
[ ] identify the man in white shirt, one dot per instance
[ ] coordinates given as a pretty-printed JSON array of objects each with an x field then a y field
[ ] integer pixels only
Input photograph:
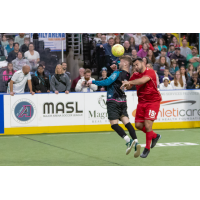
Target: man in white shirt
[
  {"x": 165, "y": 85},
  {"x": 83, "y": 85},
  {"x": 18, "y": 81},
  {"x": 184, "y": 49}
]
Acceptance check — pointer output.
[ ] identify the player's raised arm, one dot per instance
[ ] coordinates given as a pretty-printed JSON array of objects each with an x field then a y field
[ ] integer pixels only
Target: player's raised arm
[{"x": 107, "y": 81}]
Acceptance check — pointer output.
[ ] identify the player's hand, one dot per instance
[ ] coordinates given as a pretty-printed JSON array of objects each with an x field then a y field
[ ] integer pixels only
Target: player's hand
[
  {"x": 56, "y": 92},
  {"x": 125, "y": 84},
  {"x": 89, "y": 82},
  {"x": 12, "y": 93},
  {"x": 66, "y": 92},
  {"x": 113, "y": 67},
  {"x": 32, "y": 92}
]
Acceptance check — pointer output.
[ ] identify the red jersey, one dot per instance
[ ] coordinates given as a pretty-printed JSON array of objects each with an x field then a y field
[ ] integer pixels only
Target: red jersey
[{"x": 147, "y": 92}]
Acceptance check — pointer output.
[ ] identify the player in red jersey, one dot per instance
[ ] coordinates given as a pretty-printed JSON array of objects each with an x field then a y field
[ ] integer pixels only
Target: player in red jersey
[{"x": 149, "y": 99}]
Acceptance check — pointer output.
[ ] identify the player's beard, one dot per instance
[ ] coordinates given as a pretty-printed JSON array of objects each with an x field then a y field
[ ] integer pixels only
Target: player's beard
[{"x": 140, "y": 69}]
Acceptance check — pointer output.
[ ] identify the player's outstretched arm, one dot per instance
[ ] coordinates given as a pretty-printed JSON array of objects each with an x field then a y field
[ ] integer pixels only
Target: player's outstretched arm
[
  {"x": 107, "y": 81},
  {"x": 138, "y": 81}
]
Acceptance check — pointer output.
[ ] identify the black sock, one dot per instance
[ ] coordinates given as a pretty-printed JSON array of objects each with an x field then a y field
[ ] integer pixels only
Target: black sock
[
  {"x": 131, "y": 130},
  {"x": 119, "y": 130}
]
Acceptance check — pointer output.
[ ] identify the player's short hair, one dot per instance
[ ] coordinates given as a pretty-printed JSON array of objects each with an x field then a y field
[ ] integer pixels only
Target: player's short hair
[
  {"x": 87, "y": 71},
  {"x": 139, "y": 59},
  {"x": 127, "y": 58}
]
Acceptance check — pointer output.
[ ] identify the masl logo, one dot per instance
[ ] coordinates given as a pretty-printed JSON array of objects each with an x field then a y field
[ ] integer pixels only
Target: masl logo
[
  {"x": 175, "y": 112},
  {"x": 102, "y": 101},
  {"x": 24, "y": 111}
]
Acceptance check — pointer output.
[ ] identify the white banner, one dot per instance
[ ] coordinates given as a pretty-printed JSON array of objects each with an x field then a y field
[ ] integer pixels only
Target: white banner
[
  {"x": 61, "y": 110},
  {"x": 90, "y": 108},
  {"x": 53, "y": 40}
]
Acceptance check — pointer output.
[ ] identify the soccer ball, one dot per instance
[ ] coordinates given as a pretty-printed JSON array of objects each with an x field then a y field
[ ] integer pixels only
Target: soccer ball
[{"x": 117, "y": 50}]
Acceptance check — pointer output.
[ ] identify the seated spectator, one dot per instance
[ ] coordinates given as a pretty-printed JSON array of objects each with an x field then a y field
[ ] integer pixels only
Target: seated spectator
[
  {"x": 117, "y": 40},
  {"x": 83, "y": 85},
  {"x": 9, "y": 47},
  {"x": 150, "y": 66},
  {"x": 143, "y": 52},
  {"x": 184, "y": 74},
  {"x": 175, "y": 42},
  {"x": 75, "y": 81},
  {"x": 163, "y": 53},
  {"x": 132, "y": 42},
  {"x": 8, "y": 73},
  {"x": 198, "y": 71},
  {"x": 145, "y": 60},
  {"x": 60, "y": 82},
  {"x": 146, "y": 40},
  {"x": 97, "y": 38},
  {"x": 180, "y": 59},
  {"x": 19, "y": 62},
  {"x": 184, "y": 49},
  {"x": 20, "y": 39},
  {"x": 107, "y": 47},
  {"x": 171, "y": 49},
  {"x": 156, "y": 51},
  {"x": 110, "y": 35},
  {"x": 161, "y": 44},
  {"x": 190, "y": 70},
  {"x": 18, "y": 81},
  {"x": 123, "y": 37},
  {"x": 138, "y": 40},
  {"x": 151, "y": 56},
  {"x": 173, "y": 68},
  {"x": 40, "y": 82},
  {"x": 24, "y": 48},
  {"x": 168, "y": 38},
  {"x": 103, "y": 77},
  {"x": 194, "y": 81},
  {"x": 127, "y": 48},
  {"x": 64, "y": 66},
  {"x": 4, "y": 41},
  {"x": 32, "y": 56},
  {"x": 103, "y": 39},
  {"x": 161, "y": 65},
  {"x": 177, "y": 83},
  {"x": 46, "y": 72},
  {"x": 165, "y": 84},
  {"x": 166, "y": 74},
  {"x": 134, "y": 54},
  {"x": 13, "y": 54},
  {"x": 153, "y": 38},
  {"x": 194, "y": 57}
]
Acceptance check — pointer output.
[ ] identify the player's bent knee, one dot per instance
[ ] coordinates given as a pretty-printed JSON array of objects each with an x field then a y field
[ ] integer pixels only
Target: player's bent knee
[{"x": 139, "y": 126}]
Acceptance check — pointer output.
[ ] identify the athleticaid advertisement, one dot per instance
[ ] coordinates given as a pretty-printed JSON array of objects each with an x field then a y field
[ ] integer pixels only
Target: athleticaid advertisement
[{"x": 79, "y": 112}]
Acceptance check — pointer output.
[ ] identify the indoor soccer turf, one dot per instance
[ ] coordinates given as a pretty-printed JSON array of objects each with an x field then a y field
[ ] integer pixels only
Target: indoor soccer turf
[{"x": 177, "y": 147}]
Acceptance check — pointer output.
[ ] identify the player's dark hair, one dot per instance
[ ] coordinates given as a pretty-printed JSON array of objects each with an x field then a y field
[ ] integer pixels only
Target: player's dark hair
[{"x": 139, "y": 59}]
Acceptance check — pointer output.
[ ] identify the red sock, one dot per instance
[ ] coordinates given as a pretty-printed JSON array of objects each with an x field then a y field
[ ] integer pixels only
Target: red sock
[
  {"x": 144, "y": 129},
  {"x": 149, "y": 136}
]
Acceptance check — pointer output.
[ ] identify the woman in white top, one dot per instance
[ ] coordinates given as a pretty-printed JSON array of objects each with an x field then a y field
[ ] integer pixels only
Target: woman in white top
[
  {"x": 165, "y": 85},
  {"x": 32, "y": 56},
  {"x": 177, "y": 83},
  {"x": 184, "y": 74}
]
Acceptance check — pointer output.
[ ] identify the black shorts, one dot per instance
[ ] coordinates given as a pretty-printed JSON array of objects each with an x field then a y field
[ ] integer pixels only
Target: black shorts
[{"x": 116, "y": 110}]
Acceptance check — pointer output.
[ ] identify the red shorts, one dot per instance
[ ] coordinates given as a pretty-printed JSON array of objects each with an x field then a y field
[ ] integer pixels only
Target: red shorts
[{"x": 148, "y": 111}]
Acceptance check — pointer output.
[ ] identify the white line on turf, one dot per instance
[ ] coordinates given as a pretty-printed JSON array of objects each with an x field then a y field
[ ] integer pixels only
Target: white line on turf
[
  {"x": 167, "y": 130},
  {"x": 78, "y": 134},
  {"x": 173, "y": 144}
]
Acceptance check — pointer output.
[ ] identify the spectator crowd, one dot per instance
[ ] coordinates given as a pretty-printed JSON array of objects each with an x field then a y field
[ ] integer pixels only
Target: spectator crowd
[{"x": 176, "y": 67}]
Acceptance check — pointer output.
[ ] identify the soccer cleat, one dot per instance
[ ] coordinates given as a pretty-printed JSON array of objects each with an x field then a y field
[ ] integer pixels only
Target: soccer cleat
[
  {"x": 129, "y": 146},
  {"x": 145, "y": 153},
  {"x": 154, "y": 141},
  {"x": 137, "y": 149}
]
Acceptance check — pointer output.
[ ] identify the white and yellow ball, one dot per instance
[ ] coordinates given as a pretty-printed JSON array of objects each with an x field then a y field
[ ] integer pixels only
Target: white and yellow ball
[{"x": 117, "y": 50}]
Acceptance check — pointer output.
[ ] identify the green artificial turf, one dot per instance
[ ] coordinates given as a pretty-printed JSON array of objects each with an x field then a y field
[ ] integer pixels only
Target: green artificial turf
[{"x": 97, "y": 149}]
